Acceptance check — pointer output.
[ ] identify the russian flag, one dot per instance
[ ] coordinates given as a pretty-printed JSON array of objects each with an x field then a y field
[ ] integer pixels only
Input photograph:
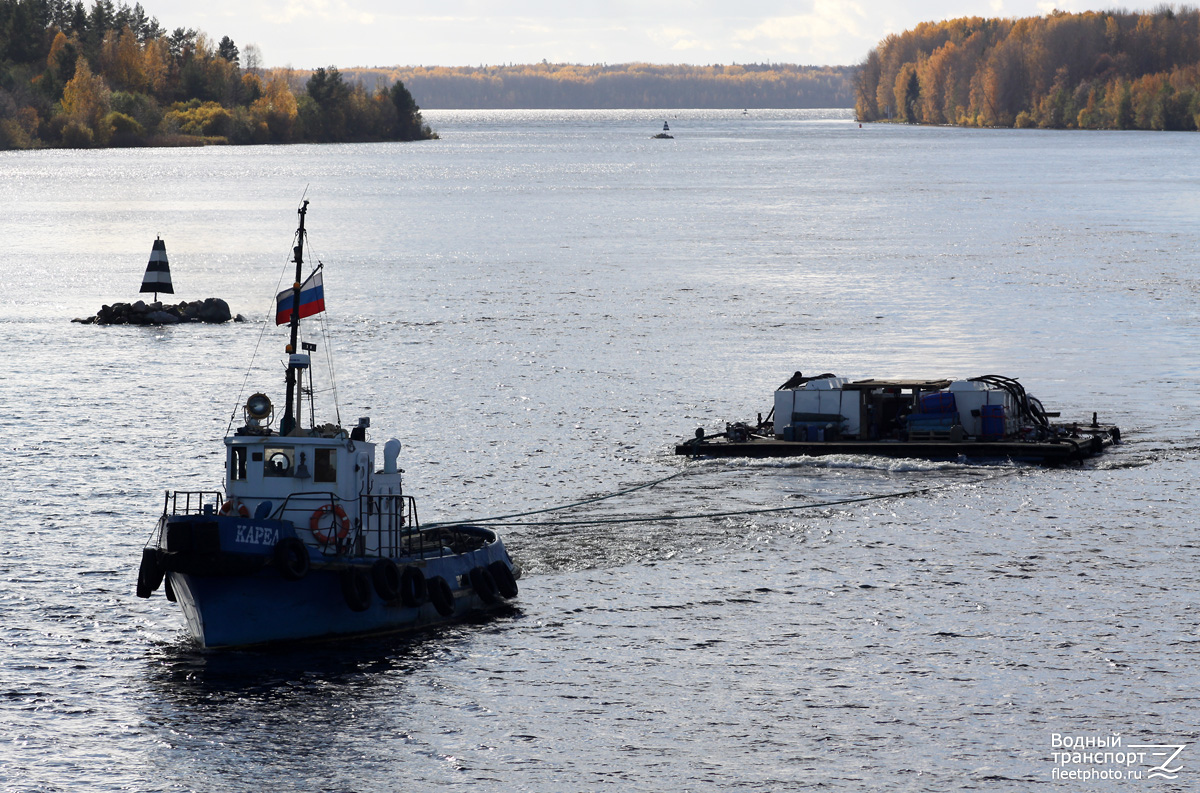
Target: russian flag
[{"x": 312, "y": 300}]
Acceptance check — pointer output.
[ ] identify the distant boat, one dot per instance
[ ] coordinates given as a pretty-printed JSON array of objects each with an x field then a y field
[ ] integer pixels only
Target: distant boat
[{"x": 158, "y": 271}]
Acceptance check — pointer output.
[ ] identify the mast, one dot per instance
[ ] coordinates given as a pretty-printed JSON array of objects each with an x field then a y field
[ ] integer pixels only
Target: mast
[{"x": 292, "y": 406}]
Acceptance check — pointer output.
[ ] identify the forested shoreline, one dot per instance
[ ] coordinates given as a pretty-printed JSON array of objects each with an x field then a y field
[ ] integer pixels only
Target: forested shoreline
[
  {"x": 620, "y": 86},
  {"x": 112, "y": 76},
  {"x": 1091, "y": 70}
]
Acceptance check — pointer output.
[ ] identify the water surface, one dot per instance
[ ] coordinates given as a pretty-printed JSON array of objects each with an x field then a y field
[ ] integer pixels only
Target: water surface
[{"x": 538, "y": 305}]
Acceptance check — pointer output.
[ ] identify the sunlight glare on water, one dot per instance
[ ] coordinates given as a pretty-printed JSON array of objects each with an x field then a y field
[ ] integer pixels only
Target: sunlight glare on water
[{"x": 539, "y": 304}]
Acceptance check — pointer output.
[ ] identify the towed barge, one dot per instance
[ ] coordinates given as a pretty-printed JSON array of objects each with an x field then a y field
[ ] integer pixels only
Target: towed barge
[{"x": 987, "y": 417}]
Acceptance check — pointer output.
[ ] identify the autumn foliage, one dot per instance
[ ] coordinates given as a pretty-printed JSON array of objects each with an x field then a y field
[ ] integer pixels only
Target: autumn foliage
[
  {"x": 1093, "y": 70},
  {"x": 111, "y": 76},
  {"x": 621, "y": 86}
]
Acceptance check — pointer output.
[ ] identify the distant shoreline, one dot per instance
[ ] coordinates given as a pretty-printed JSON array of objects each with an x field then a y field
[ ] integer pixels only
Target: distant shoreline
[
  {"x": 630, "y": 86},
  {"x": 117, "y": 79}
]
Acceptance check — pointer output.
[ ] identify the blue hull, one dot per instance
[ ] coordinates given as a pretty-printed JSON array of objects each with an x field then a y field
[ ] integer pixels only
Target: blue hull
[
  {"x": 230, "y": 606},
  {"x": 265, "y": 608}
]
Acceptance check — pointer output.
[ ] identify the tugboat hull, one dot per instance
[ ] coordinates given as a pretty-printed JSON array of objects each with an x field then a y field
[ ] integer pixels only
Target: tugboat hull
[
  {"x": 266, "y": 608},
  {"x": 246, "y": 581}
]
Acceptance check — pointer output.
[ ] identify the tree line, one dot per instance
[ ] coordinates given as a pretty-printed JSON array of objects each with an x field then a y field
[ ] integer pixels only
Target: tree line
[
  {"x": 1090, "y": 70},
  {"x": 621, "y": 86},
  {"x": 112, "y": 76}
]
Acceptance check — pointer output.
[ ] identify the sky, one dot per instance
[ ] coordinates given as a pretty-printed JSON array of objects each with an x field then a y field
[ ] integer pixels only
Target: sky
[{"x": 349, "y": 33}]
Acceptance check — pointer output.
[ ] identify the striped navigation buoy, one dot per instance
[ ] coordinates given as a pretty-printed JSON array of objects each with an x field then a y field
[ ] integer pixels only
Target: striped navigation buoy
[{"x": 158, "y": 272}]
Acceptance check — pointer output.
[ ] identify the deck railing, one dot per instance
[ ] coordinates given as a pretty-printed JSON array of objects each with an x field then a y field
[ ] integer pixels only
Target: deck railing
[
  {"x": 195, "y": 502},
  {"x": 375, "y": 525}
]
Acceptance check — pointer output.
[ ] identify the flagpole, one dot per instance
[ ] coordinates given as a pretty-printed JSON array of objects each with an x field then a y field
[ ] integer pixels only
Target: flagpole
[{"x": 291, "y": 409}]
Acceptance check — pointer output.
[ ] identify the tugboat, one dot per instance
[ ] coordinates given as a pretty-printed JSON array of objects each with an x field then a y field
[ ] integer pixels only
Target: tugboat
[
  {"x": 987, "y": 417},
  {"x": 309, "y": 539}
]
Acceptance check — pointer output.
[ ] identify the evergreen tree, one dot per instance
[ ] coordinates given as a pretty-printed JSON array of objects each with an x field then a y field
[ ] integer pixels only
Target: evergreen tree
[
  {"x": 227, "y": 50},
  {"x": 79, "y": 19},
  {"x": 410, "y": 124},
  {"x": 21, "y": 34},
  {"x": 332, "y": 97},
  {"x": 102, "y": 16},
  {"x": 182, "y": 40}
]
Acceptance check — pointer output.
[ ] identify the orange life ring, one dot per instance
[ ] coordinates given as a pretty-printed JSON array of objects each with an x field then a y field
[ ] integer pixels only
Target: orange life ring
[
  {"x": 231, "y": 506},
  {"x": 340, "y": 522}
]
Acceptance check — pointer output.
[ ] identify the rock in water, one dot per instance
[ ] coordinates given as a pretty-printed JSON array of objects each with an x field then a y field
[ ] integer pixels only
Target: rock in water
[
  {"x": 213, "y": 310},
  {"x": 161, "y": 318}
]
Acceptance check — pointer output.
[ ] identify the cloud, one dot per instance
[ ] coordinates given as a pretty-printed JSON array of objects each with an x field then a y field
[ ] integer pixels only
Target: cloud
[
  {"x": 456, "y": 32},
  {"x": 822, "y": 31},
  {"x": 324, "y": 10},
  {"x": 677, "y": 39},
  {"x": 528, "y": 26}
]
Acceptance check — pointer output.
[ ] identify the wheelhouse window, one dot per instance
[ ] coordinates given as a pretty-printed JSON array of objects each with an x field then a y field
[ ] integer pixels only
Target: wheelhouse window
[
  {"x": 237, "y": 463},
  {"x": 279, "y": 461},
  {"x": 325, "y": 463}
]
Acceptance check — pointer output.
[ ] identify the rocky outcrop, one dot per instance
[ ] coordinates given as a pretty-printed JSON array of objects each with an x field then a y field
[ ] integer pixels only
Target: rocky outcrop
[{"x": 212, "y": 309}]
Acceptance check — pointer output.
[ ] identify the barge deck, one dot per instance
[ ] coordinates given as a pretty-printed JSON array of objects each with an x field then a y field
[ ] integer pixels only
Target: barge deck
[
  {"x": 1057, "y": 452},
  {"x": 987, "y": 417}
]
